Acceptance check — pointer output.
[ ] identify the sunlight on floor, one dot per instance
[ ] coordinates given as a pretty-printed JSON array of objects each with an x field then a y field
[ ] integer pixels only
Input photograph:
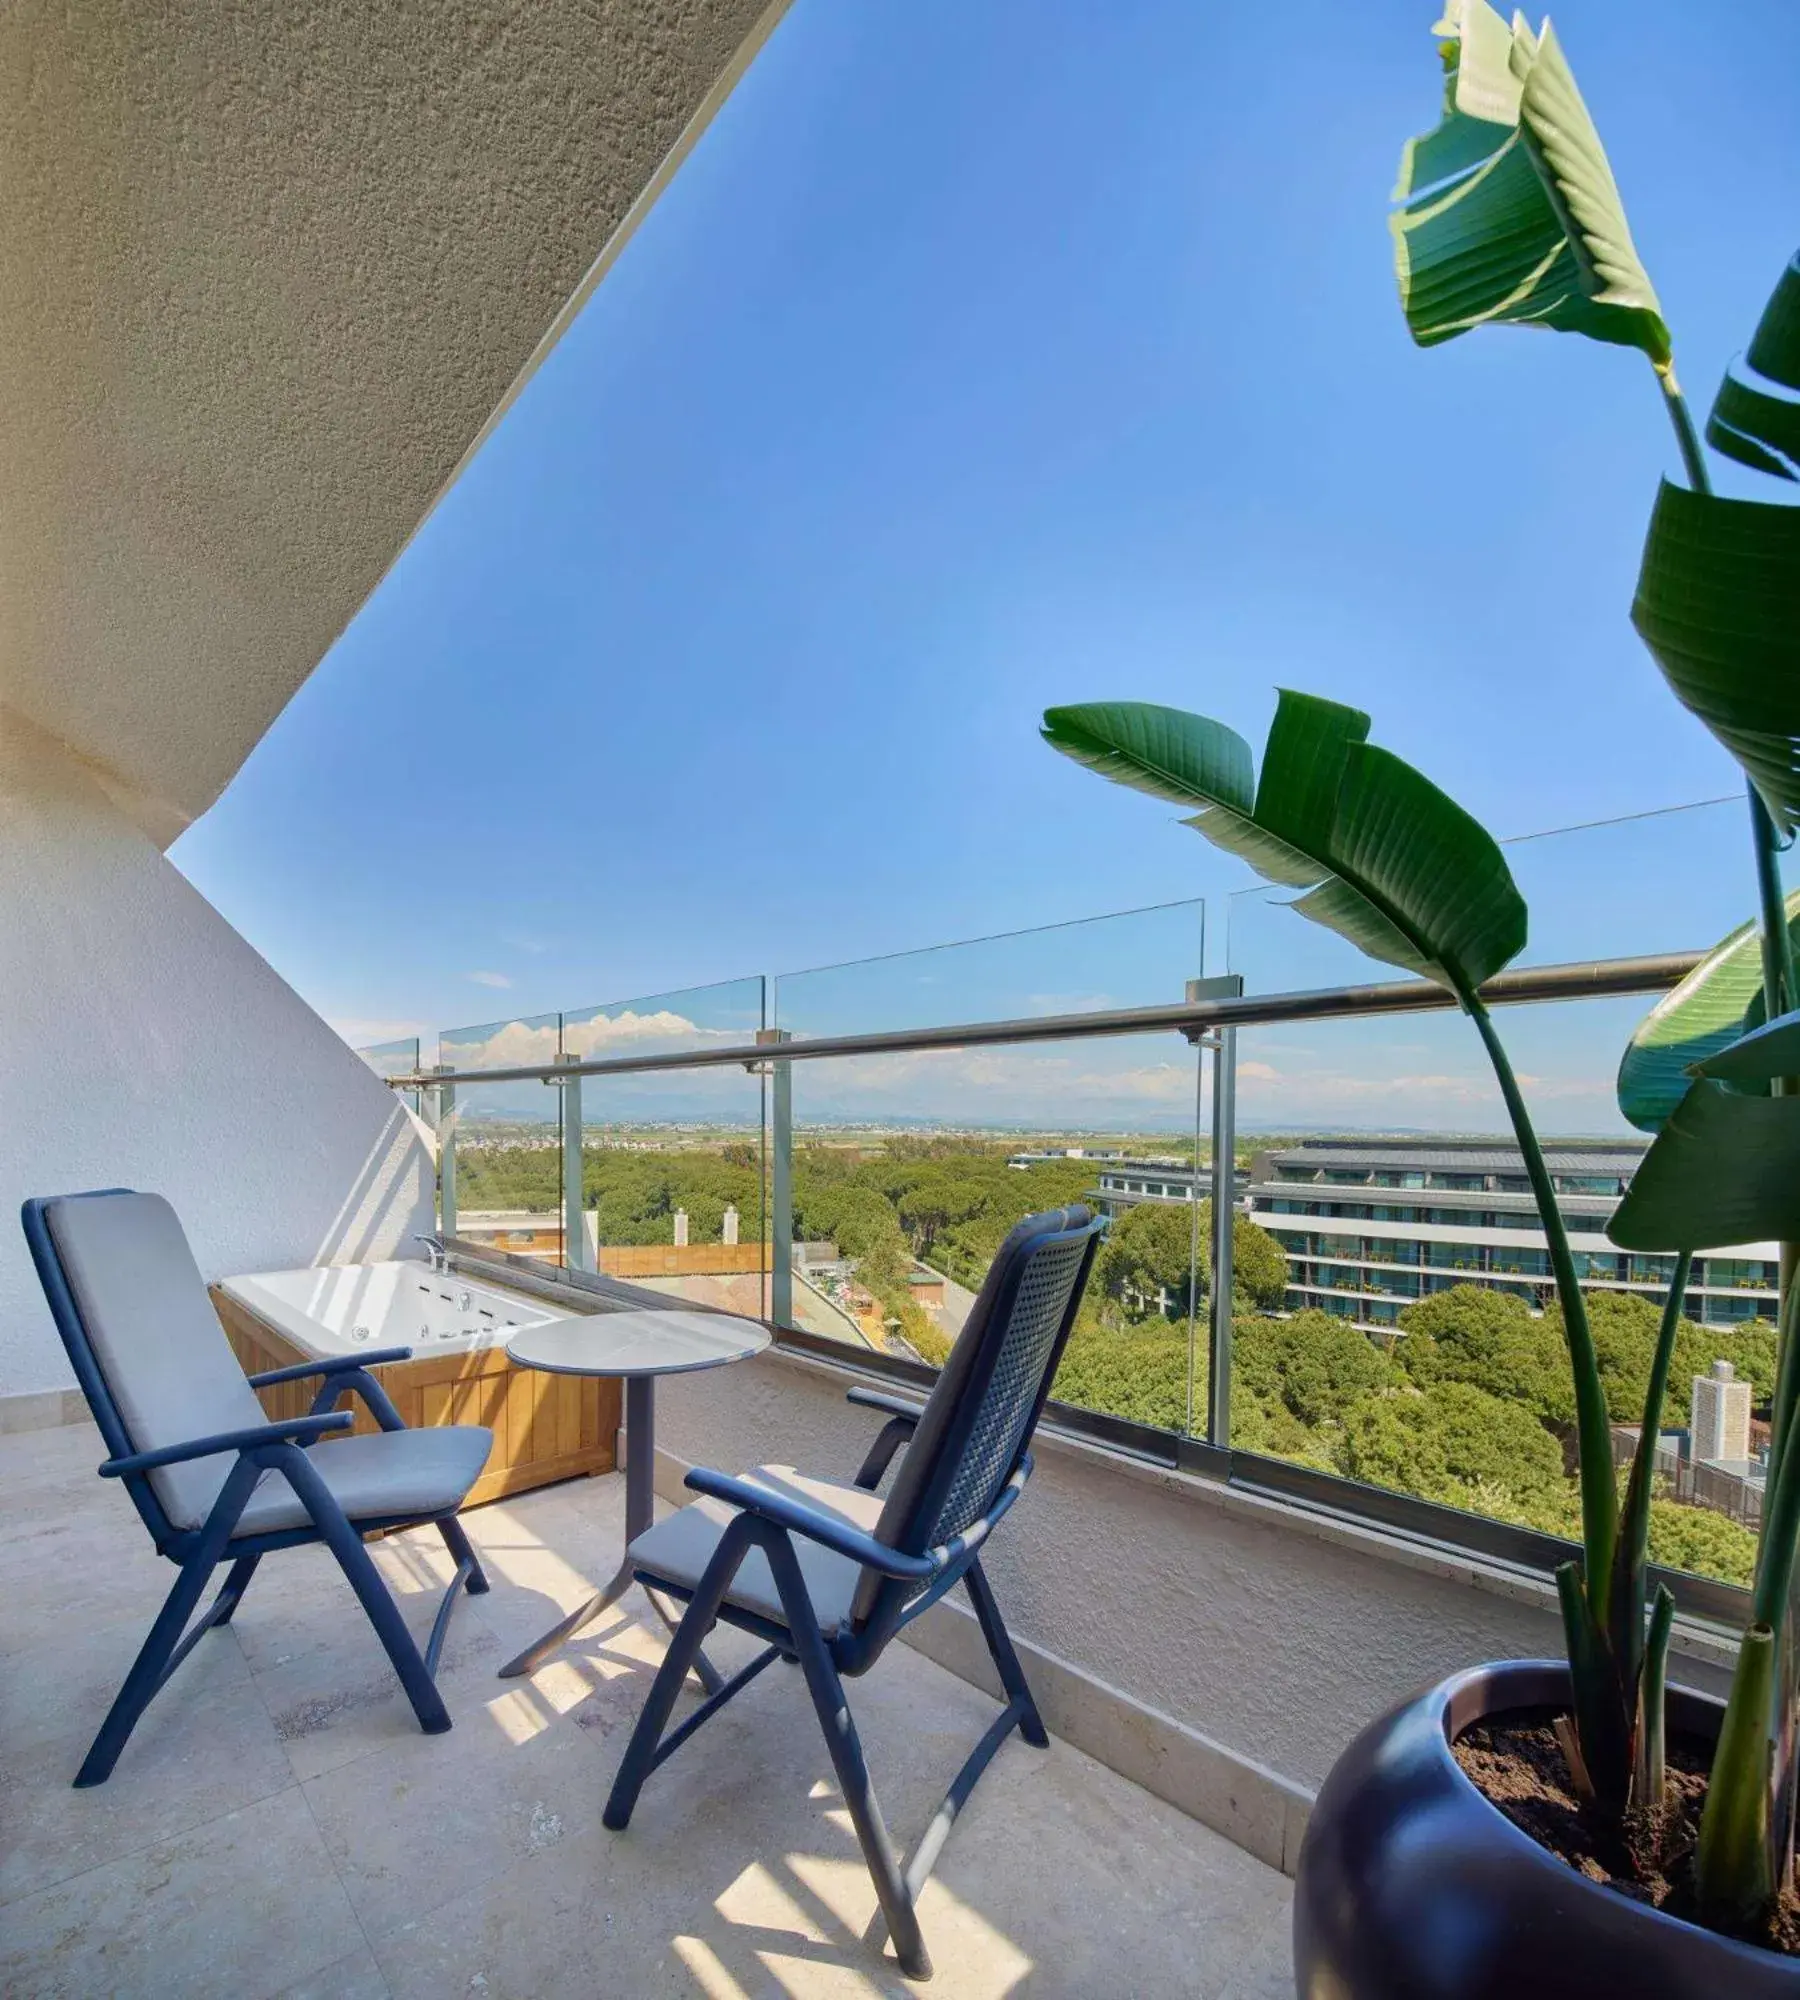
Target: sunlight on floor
[{"x": 278, "y": 1824}]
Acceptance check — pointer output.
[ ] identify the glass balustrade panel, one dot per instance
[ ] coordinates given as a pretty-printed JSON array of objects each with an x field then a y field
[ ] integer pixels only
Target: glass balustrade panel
[
  {"x": 503, "y": 1145},
  {"x": 910, "y": 1168},
  {"x": 1416, "y": 1342},
  {"x": 674, "y": 1163}
]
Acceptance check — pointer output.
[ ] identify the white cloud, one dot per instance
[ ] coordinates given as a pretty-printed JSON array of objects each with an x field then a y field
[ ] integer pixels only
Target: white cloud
[
  {"x": 512, "y": 1045},
  {"x": 360, "y": 1030},
  {"x": 488, "y": 979},
  {"x": 615, "y": 1034},
  {"x": 520, "y": 1044}
]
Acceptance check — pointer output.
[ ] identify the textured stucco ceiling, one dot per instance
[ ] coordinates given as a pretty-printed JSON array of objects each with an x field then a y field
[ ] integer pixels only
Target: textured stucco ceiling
[{"x": 266, "y": 272}]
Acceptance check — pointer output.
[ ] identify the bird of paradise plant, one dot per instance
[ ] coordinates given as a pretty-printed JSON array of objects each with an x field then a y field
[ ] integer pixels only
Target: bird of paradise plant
[{"x": 1508, "y": 214}]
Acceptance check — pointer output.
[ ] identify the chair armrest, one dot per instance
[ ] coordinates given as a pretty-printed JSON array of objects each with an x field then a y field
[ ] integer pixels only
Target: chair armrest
[
  {"x": 800, "y": 1519},
  {"x": 902, "y": 1420},
  {"x": 890, "y": 1406},
  {"x": 337, "y": 1365},
  {"x": 288, "y": 1430}
]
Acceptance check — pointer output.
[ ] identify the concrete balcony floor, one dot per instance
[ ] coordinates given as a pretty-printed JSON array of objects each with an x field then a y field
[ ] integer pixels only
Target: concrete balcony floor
[{"x": 278, "y": 1825}]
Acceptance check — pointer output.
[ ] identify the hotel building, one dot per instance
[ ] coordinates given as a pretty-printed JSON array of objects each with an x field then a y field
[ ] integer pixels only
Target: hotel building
[{"x": 1369, "y": 1225}]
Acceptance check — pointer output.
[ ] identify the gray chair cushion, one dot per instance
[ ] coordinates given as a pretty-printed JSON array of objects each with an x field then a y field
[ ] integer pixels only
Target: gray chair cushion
[
  {"x": 156, "y": 1337},
  {"x": 380, "y": 1474},
  {"x": 681, "y": 1546}
]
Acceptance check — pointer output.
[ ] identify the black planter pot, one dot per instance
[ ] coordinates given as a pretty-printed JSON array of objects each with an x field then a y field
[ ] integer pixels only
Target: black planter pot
[{"x": 1412, "y": 1887}]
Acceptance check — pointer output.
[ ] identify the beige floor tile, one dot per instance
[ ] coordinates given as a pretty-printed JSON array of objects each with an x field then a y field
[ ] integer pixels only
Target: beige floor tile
[
  {"x": 175, "y": 1919},
  {"x": 353, "y": 1977},
  {"x": 1192, "y": 1905},
  {"x": 204, "y": 1746},
  {"x": 57, "y": 1451},
  {"x": 596, "y": 1917},
  {"x": 476, "y": 1859},
  {"x": 740, "y": 1873},
  {"x": 1267, "y": 1971},
  {"x": 328, "y": 1686},
  {"x": 437, "y": 1816},
  {"x": 66, "y": 1566}
]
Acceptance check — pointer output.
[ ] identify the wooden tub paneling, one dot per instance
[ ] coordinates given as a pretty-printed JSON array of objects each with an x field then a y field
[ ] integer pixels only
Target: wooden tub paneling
[{"x": 546, "y": 1427}]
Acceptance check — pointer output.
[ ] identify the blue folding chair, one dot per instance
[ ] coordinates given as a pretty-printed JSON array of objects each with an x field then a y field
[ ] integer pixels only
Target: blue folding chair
[
  {"x": 827, "y": 1574},
  {"x": 213, "y": 1479}
]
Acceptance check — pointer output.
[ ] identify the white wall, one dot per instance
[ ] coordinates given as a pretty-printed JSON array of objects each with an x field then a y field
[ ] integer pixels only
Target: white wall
[{"x": 144, "y": 1044}]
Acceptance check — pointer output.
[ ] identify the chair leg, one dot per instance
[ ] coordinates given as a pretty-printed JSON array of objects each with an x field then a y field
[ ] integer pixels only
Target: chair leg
[
  {"x": 147, "y": 1672},
  {"x": 390, "y": 1628},
  {"x": 231, "y": 1593},
  {"x": 841, "y": 1739},
  {"x": 165, "y": 1648},
  {"x": 456, "y": 1540},
  {"x": 1006, "y": 1660},
  {"x": 371, "y": 1591},
  {"x": 684, "y": 1648}
]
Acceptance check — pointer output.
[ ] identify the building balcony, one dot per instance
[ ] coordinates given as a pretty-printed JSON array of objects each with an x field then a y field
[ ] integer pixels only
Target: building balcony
[
  {"x": 278, "y": 1825},
  {"x": 1213, "y": 1535}
]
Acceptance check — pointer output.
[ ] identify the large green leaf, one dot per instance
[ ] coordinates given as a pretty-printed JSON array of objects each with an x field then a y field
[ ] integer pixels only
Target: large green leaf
[
  {"x": 1762, "y": 1055},
  {"x": 1163, "y": 751},
  {"x": 1509, "y": 211},
  {"x": 1387, "y": 860},
  {"x": 1718, "y": 604},
  {"x": 1755, "y": 424},
  {"x": 1724, "y": 1170},
  {"x": 1720, "y": 1000}
]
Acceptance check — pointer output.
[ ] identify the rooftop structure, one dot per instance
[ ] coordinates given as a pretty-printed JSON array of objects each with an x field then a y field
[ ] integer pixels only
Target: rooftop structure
[
  {"x": 1128, "y": 1182},
  {"x": 1371, "y": 1224}
]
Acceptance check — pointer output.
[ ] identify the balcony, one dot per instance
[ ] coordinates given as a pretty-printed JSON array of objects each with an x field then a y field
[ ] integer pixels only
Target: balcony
[
  {"x": 1275, "y": 1493},
  {"x": 1252, "y": 1583},
  {"x": 1254, "y": 1579},
  {"x": 279, "y": 1826}
]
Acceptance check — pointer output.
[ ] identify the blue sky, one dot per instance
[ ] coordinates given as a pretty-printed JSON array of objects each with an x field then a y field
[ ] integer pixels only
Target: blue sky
[{"x": 987, "y": 357}]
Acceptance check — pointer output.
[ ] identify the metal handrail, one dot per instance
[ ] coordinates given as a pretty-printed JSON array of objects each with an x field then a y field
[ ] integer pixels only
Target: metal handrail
[
  {"x": 1392, "y": 1512},
  {"x": 1587, "y": 979}
]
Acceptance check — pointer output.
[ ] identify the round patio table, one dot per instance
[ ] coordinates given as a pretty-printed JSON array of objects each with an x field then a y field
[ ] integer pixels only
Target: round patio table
[{"x": 635, "y": 1347}]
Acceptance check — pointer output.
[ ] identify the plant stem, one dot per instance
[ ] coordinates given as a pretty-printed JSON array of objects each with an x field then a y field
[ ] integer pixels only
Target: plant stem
[
  {"x": 1630, "y": 1555},
  {"x": 1733, "y": 1879},
  {"x": 1693, "y": 459},
  {"x": 1781, "y": 1433},
  {"x": 1777, "y": 955},
  {"x": 1787, "y": 1389},
  {"x": 1653, "y": 1690},
  {"x": 1599, "y": 1496}
]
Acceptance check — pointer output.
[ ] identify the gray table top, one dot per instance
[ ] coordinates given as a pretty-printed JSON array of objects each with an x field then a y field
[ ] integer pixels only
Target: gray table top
[{"x": 637, "y": 1343}]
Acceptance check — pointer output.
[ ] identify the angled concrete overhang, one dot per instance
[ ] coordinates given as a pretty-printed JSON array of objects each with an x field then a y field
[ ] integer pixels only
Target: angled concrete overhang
[{"x": 267, "y": 276}]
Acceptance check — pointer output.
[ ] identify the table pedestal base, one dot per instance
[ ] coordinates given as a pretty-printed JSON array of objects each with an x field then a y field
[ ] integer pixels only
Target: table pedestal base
[{"x": 640, "y": 1511}]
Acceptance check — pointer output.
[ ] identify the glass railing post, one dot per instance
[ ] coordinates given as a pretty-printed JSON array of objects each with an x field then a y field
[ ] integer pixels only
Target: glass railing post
[
  {"x": 1222, "y": 1043},
  {"x": 781, "y": 1183},
  {"x": 1224, "y": 1180},
  {"x": 446, "y": 1143},
  {"x": 575, "y": 1243}
]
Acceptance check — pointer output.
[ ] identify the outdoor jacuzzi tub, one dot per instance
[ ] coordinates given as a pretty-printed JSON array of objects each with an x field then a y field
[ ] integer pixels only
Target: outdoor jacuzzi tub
[
  {"x": 338, "y": 1308},
  {"x": 546, "y": 1427}
]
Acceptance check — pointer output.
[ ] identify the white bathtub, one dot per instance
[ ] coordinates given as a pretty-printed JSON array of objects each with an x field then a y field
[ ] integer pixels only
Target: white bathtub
[{"x": 340, "y": 1308}]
